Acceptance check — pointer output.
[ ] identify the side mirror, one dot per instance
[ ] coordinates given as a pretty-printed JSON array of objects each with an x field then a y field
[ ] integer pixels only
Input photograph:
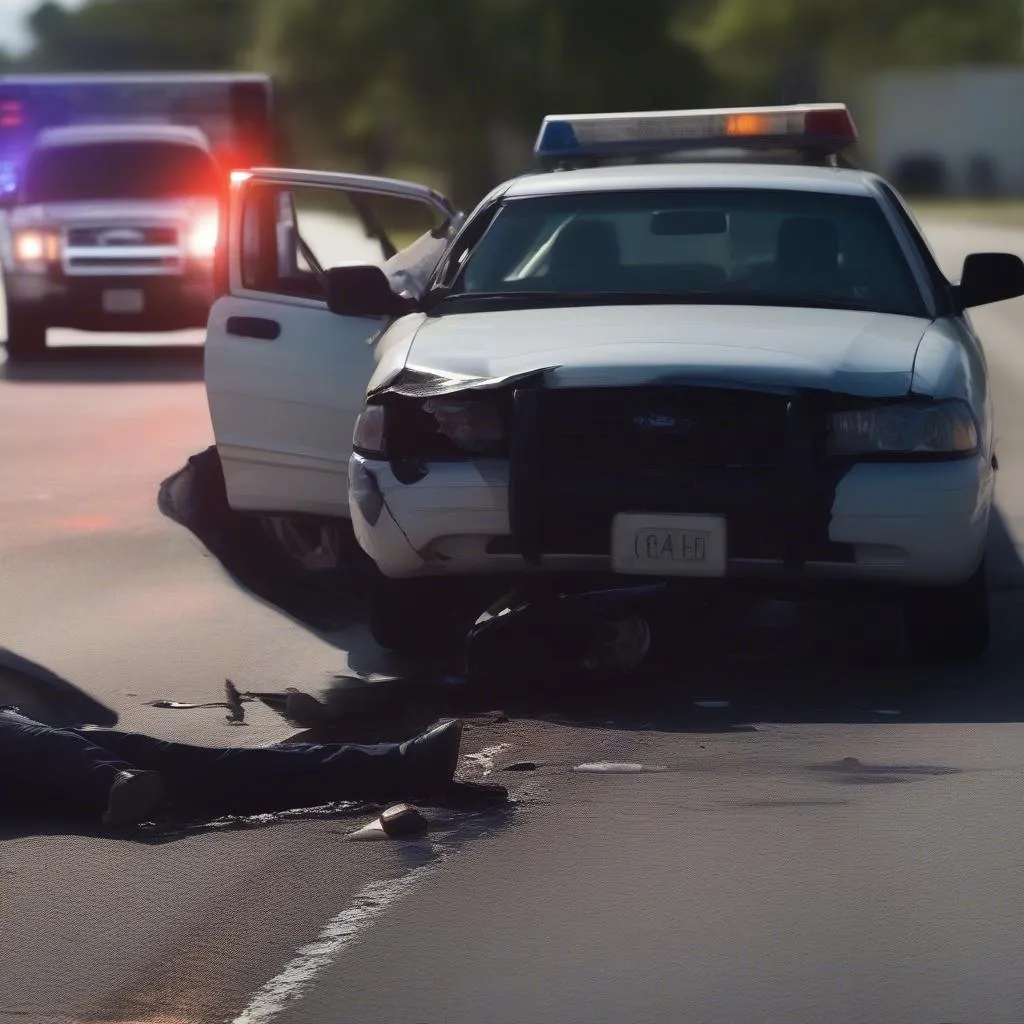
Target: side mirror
[
  {"x": 990, "y": 277},
  {"x": 362, "y": 289}
]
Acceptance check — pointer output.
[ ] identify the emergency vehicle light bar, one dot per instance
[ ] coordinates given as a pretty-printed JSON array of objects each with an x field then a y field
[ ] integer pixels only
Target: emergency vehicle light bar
[{"x": 823, "y": 127}]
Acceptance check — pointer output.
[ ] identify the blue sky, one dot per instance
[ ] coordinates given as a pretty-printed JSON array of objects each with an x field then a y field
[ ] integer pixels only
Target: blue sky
[{"x": 13, "y": 35}]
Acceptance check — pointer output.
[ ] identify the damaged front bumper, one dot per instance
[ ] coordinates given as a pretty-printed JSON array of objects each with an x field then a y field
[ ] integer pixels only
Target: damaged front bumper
[{"x": 897, "y": 523}]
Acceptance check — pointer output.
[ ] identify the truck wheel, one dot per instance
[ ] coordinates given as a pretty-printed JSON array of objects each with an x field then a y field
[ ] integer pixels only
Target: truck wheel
[
  {"x": 949, "y": 623},
  {"x": 26, "y": 335},
  {"x": 413, "y": 617}
]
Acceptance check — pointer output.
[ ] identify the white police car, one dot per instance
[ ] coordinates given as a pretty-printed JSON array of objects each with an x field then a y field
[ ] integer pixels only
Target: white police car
[{"x": 646, "y": 364}]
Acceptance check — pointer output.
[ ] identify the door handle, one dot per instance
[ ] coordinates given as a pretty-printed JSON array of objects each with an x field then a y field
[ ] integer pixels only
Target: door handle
[{"x": 254, "y": 327}]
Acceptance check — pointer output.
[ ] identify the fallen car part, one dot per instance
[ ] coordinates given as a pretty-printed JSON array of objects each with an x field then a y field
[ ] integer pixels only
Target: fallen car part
[{"x": 604, "y": 630}]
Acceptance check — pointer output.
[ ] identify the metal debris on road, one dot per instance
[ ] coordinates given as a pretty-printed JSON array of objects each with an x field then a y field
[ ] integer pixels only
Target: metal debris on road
[{"x": 233, "y": 700}]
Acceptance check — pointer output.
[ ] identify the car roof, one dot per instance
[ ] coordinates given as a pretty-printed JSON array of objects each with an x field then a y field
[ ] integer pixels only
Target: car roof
[
  {"x": 797, "y": 177},
  {"x": 90, "y": 134}
]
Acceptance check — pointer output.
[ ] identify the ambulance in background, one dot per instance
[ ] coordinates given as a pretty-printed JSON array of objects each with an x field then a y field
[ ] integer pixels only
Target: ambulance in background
[{"x": 112, "y": 188}]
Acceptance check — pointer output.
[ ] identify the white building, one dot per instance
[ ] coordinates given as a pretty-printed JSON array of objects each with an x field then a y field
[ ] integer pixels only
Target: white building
[{"x": 959, "y": 129}]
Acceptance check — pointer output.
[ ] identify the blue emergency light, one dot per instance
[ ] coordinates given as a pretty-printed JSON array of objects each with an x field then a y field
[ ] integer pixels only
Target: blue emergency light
[{"x": 824, "y": 127}]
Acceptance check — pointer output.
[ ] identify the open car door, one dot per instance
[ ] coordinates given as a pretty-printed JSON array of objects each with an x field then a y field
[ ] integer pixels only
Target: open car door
[{"x": 285, "y": 377}]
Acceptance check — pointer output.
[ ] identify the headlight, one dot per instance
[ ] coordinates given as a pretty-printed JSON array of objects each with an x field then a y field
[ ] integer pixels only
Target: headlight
[
  {"x": 473, "y": 424},
  {"x": 36, "y": 246},
  {"x": 202, "y": 238},
  {"x": 442, "y": 428},
  {"x": 368, "y": 436},
  {"x": 910, "y": 428}
]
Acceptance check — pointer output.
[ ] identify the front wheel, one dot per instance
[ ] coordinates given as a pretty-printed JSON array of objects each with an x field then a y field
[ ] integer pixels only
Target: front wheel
[
  {"x": 414, "y": 617},
  {"x": 949, "y": 623},
  {"x": 26, "y": 335}
]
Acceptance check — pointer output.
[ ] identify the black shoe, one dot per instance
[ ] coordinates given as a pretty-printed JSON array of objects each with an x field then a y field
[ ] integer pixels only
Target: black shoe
[
  {"x": 134, "y": 797},
  {"x": 430, "y": 759}
]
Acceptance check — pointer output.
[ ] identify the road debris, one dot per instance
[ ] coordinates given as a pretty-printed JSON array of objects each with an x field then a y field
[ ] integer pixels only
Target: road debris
[
  {"x": 521, "y": 766},
  {"x": 618, "y": 768},
  {"x": 484, "y": 759},
  {"x": 720, "y": 705},
  {"x": 400, "y": 821}
]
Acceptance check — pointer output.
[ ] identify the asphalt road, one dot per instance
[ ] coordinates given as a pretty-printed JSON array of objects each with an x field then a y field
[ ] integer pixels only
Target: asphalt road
[{"x": 840, "y": 842}]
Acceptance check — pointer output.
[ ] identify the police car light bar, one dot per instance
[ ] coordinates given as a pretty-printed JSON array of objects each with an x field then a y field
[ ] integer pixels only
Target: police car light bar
[{"x": 825, "y": 127}]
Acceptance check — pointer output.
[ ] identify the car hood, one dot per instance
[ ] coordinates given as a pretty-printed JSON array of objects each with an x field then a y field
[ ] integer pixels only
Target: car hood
[
  {"x": 852, "y": 352},
  {"x": 112, "y": 211}
]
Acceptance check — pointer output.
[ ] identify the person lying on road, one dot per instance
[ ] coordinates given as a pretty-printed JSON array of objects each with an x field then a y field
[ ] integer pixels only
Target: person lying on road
[{"x": 124, "y": 778}]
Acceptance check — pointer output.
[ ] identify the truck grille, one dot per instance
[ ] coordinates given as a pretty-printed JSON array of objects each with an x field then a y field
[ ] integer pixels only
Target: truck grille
[
  {"x": 104, "y": 237},
  {"x": 135, "y": 249},
  {"x": 600, "y": 451}
]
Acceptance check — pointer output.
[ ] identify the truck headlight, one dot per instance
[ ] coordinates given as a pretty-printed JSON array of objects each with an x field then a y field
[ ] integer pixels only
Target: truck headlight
[
  {"x": 202, "y": 238},
  {"x": 36, "y": 246},
  {"x": 908, "y": 428}
]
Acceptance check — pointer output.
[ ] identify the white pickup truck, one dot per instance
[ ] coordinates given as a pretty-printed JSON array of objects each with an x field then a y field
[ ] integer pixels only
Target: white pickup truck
[{"x": 112, "y": 228}]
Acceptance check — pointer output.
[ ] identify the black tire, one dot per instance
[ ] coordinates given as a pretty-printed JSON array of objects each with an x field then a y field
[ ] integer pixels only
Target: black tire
[
  {"x": 949, "y": 623},
  {"x": 26, "y": 335},
  {"x": 413, "y": 617}
]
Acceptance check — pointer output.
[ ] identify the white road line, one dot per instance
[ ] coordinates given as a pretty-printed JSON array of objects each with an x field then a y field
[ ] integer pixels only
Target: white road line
[{"x": 367, "y": 905}]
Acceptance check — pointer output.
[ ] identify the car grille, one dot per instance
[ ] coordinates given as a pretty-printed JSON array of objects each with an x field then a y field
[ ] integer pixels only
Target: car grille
[
  {"x": 106, "y": 235},
  {"x": 580, "y": 456},
  {"x": 123, "y": 249}
]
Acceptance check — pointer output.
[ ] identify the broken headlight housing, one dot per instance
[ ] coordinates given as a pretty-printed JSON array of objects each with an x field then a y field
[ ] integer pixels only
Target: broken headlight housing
[
  {"x": 944, "y": 428},
  {"x": 442, "y": 427}
]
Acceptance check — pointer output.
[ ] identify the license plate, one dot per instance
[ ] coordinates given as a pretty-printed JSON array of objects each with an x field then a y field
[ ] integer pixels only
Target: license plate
[
  {"x": 123, "y": 300},
  {"x": 669, "y": 545}
]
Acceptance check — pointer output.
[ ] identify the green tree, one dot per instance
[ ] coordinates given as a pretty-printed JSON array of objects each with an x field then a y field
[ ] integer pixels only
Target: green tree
[
  {"x": 133, "y": 35},
  {"x": 767, "y": 50},
  {"x": 434, "y": 82}
]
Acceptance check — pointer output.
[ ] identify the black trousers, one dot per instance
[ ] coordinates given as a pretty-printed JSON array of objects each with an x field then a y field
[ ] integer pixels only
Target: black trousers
[{"x": 71, "y": 771}]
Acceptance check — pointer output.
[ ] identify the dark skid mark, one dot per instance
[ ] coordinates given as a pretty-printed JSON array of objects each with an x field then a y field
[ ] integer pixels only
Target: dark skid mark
[
  {"x": 871, "y": 780},
  {"x": 853, "y": 766},
  {"x": 794, "y": 803}
]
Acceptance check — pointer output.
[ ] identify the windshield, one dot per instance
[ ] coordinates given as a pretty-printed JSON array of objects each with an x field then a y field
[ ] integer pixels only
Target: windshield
[
  {"x": 119, "y": 170},
  {"x": 773, "y": 247}
]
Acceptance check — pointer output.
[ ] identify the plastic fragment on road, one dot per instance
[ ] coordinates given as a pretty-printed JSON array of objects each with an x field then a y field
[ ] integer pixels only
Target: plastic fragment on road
[
  {"x": 400, "y": 821},
  {"x": 369, "y": 832},
  {"x": 618, "y": 768}
]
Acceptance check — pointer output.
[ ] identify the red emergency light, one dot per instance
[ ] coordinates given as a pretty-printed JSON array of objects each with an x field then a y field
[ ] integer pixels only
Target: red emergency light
[
  {"x": 811, "y": 126},
  {"x": 12, "y": 114}
]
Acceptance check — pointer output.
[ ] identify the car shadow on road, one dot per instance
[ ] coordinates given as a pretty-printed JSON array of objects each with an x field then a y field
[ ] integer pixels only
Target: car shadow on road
[
  {"x": 116, "y": 364},
  {"x": 324, "y": 602},
  {"x": 723, "y": 668}
]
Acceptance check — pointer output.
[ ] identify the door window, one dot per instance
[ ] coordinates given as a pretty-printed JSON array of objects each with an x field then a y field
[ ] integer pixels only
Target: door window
[{"x": 291, "y": 235}]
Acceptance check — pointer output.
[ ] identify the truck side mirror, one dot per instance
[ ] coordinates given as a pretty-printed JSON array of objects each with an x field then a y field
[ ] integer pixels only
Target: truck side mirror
[
  {"x": 363, "y": 289},
  {"x": 990, "y": 277}
]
